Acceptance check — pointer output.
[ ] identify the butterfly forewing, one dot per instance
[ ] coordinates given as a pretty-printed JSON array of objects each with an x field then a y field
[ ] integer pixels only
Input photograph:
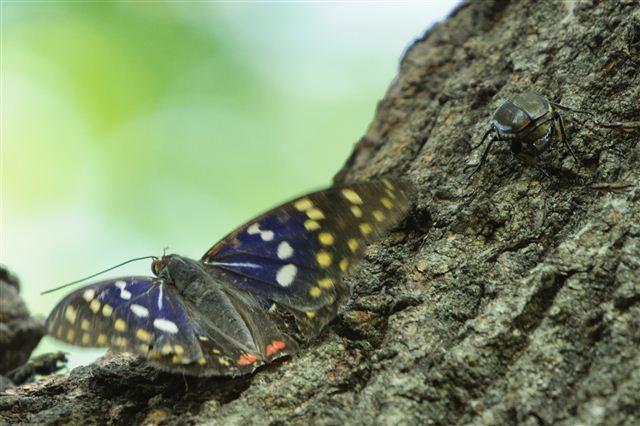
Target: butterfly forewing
[{"x": 296, "y": 254}]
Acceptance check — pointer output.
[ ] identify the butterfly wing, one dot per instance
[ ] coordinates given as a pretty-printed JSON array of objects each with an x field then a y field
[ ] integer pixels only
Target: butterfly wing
[
  {"x": 297, "y": 254},
  {"x": 147, "y": 316},
  {"x": 294, "y": 255}
]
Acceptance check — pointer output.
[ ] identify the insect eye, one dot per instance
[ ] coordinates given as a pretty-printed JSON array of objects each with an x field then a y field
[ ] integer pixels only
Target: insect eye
[{"x": 156, "y": 266}]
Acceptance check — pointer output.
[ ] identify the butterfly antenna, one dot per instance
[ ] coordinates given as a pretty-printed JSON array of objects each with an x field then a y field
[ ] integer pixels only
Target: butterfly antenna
[{"x": 96, "y": 274}]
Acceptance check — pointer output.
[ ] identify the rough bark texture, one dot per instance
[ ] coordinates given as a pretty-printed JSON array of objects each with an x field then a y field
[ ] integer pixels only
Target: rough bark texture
[
  {"x": 19, "y": 332},
  {"x": 510, "y": 298}
]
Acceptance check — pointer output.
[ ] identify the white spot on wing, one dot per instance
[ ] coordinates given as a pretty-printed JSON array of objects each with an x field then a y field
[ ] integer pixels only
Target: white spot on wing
[
  {"x": 285, "y": 250},
  {"x": 165, "y": 325},
  {"x": 264, "y": 234},
  {"x": 254, "y": 229},
  {"x": 139, "y": 310},
  {"x": 160, "y": 297},
  {"x": 89, "y": 294},
  {"x": 286, "y": 275},
  {"x": 124, "y": 293},
  {"x": 235, "y": 264}
]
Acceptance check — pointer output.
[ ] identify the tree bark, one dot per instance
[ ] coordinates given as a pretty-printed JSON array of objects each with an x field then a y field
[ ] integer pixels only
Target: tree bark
[{"x": 511, "y": 297}]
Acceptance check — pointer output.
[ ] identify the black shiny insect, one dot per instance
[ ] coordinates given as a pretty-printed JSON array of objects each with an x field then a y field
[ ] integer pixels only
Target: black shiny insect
[
  {"x": 529, "y": 122},
  {"x": 278, "y": 276}
]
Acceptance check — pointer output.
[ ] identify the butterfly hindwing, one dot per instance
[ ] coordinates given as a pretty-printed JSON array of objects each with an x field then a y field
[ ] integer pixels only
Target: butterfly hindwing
[
  {"x": 147, "y": 316},
  {"x": 86, "y": 316},
  {"x": 296, "y": 254},
  {"x": 135, "y": 314}
]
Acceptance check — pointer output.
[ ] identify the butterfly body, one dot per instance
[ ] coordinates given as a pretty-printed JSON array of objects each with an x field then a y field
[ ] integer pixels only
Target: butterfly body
[{"x": 220, "y": 315}]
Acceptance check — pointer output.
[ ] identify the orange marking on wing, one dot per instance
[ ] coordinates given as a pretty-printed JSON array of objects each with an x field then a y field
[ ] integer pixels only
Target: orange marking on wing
[
  {"x": 247, "y": 359},
  {"x": 275, "y": 346}
]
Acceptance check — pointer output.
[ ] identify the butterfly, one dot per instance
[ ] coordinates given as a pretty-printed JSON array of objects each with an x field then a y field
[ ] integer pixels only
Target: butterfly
[{"x": 252, "y": 297}]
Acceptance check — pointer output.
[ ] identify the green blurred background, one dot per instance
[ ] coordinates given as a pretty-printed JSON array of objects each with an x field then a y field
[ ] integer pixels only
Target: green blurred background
[{"x": 128, "y": 127}]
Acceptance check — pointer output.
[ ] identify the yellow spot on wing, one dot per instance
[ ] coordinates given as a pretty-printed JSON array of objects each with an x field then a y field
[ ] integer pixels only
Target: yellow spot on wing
[
  {"x": 357, "y": 211},
  {"x": 176, "y": 359},
  {"x": 326, "y": 283},
  {"x": 166, "y": 349},
  {"x": 202, "y": 360},
  {"x": 315, "y": 292},
  {"x": 143, "y": 335},
  {"x": 178, "y": 349},
  {"x": 303, "y": 204},
  {"x": 325, "y": 238},
  {"x": 311, "y": 225},
  {"x": 390, "y": 193},
  {"x": 85, "y": 325},
  {"x": 386, "y": 202},
  {"x": 378, "y": 215},
  {"x": 107, "y": 310},
  {"x": 121, "y": 342},
  {"x": 86, "y": 338},
  {"x": 70, "y": 314},
  {"x": 60, "y": 331},
  {"x": 388, "y": 184},
  {"x": 366, "y": 229},
  {"x": 311, "y": 314},
  {"x": 353, "y": 245},
  {"x": 352, "y": 196},
  {"x": 120, "y": 325},
  {"x": 70, "y": 335},
  {"x": 102, "y": 339},
  {"x": 95, "y": 306},
  {"x": 344, "y": 264},
  {"x": 323, "y": 258},
  {"x": 315, "y": 214},
  {"x": 224, "y": 361}
]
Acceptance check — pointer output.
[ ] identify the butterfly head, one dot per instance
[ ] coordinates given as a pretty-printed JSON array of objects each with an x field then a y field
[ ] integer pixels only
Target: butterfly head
[
  {"x": 157, "y": 265},
  {"x": 177, "y": 270}
]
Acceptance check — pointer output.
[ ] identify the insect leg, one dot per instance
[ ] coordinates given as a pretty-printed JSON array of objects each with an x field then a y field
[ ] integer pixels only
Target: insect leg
[
  {"x": 576, "y": 110},
  {"x": 625, "y": 126},
  {"x": 562, "y": 135},
  {"x": 483, "y": 158},
  {"x": 489, "y": 130}
]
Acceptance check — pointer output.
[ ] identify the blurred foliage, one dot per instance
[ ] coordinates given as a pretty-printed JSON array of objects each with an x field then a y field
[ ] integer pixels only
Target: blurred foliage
[{"x": 127, "y": 126}]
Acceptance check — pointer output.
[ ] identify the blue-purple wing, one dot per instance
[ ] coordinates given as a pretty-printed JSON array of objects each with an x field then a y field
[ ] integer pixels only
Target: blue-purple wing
[
  {"x": 146, "y": 316},
  {"x": 297, "y": 254}
]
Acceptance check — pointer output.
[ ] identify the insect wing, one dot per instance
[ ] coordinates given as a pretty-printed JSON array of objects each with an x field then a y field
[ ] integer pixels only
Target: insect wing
[
  {"x": 147, "y": 316},
  {"x": 86, "y": 316},
  {"x": 296, "y": 254}
]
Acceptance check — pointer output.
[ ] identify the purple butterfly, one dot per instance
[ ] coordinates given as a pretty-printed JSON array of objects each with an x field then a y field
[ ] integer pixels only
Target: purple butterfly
[{"x": 251, "y": 298}]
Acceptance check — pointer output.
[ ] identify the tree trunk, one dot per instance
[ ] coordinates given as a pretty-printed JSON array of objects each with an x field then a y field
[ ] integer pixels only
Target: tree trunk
[{"x": 512, "y": 297}]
